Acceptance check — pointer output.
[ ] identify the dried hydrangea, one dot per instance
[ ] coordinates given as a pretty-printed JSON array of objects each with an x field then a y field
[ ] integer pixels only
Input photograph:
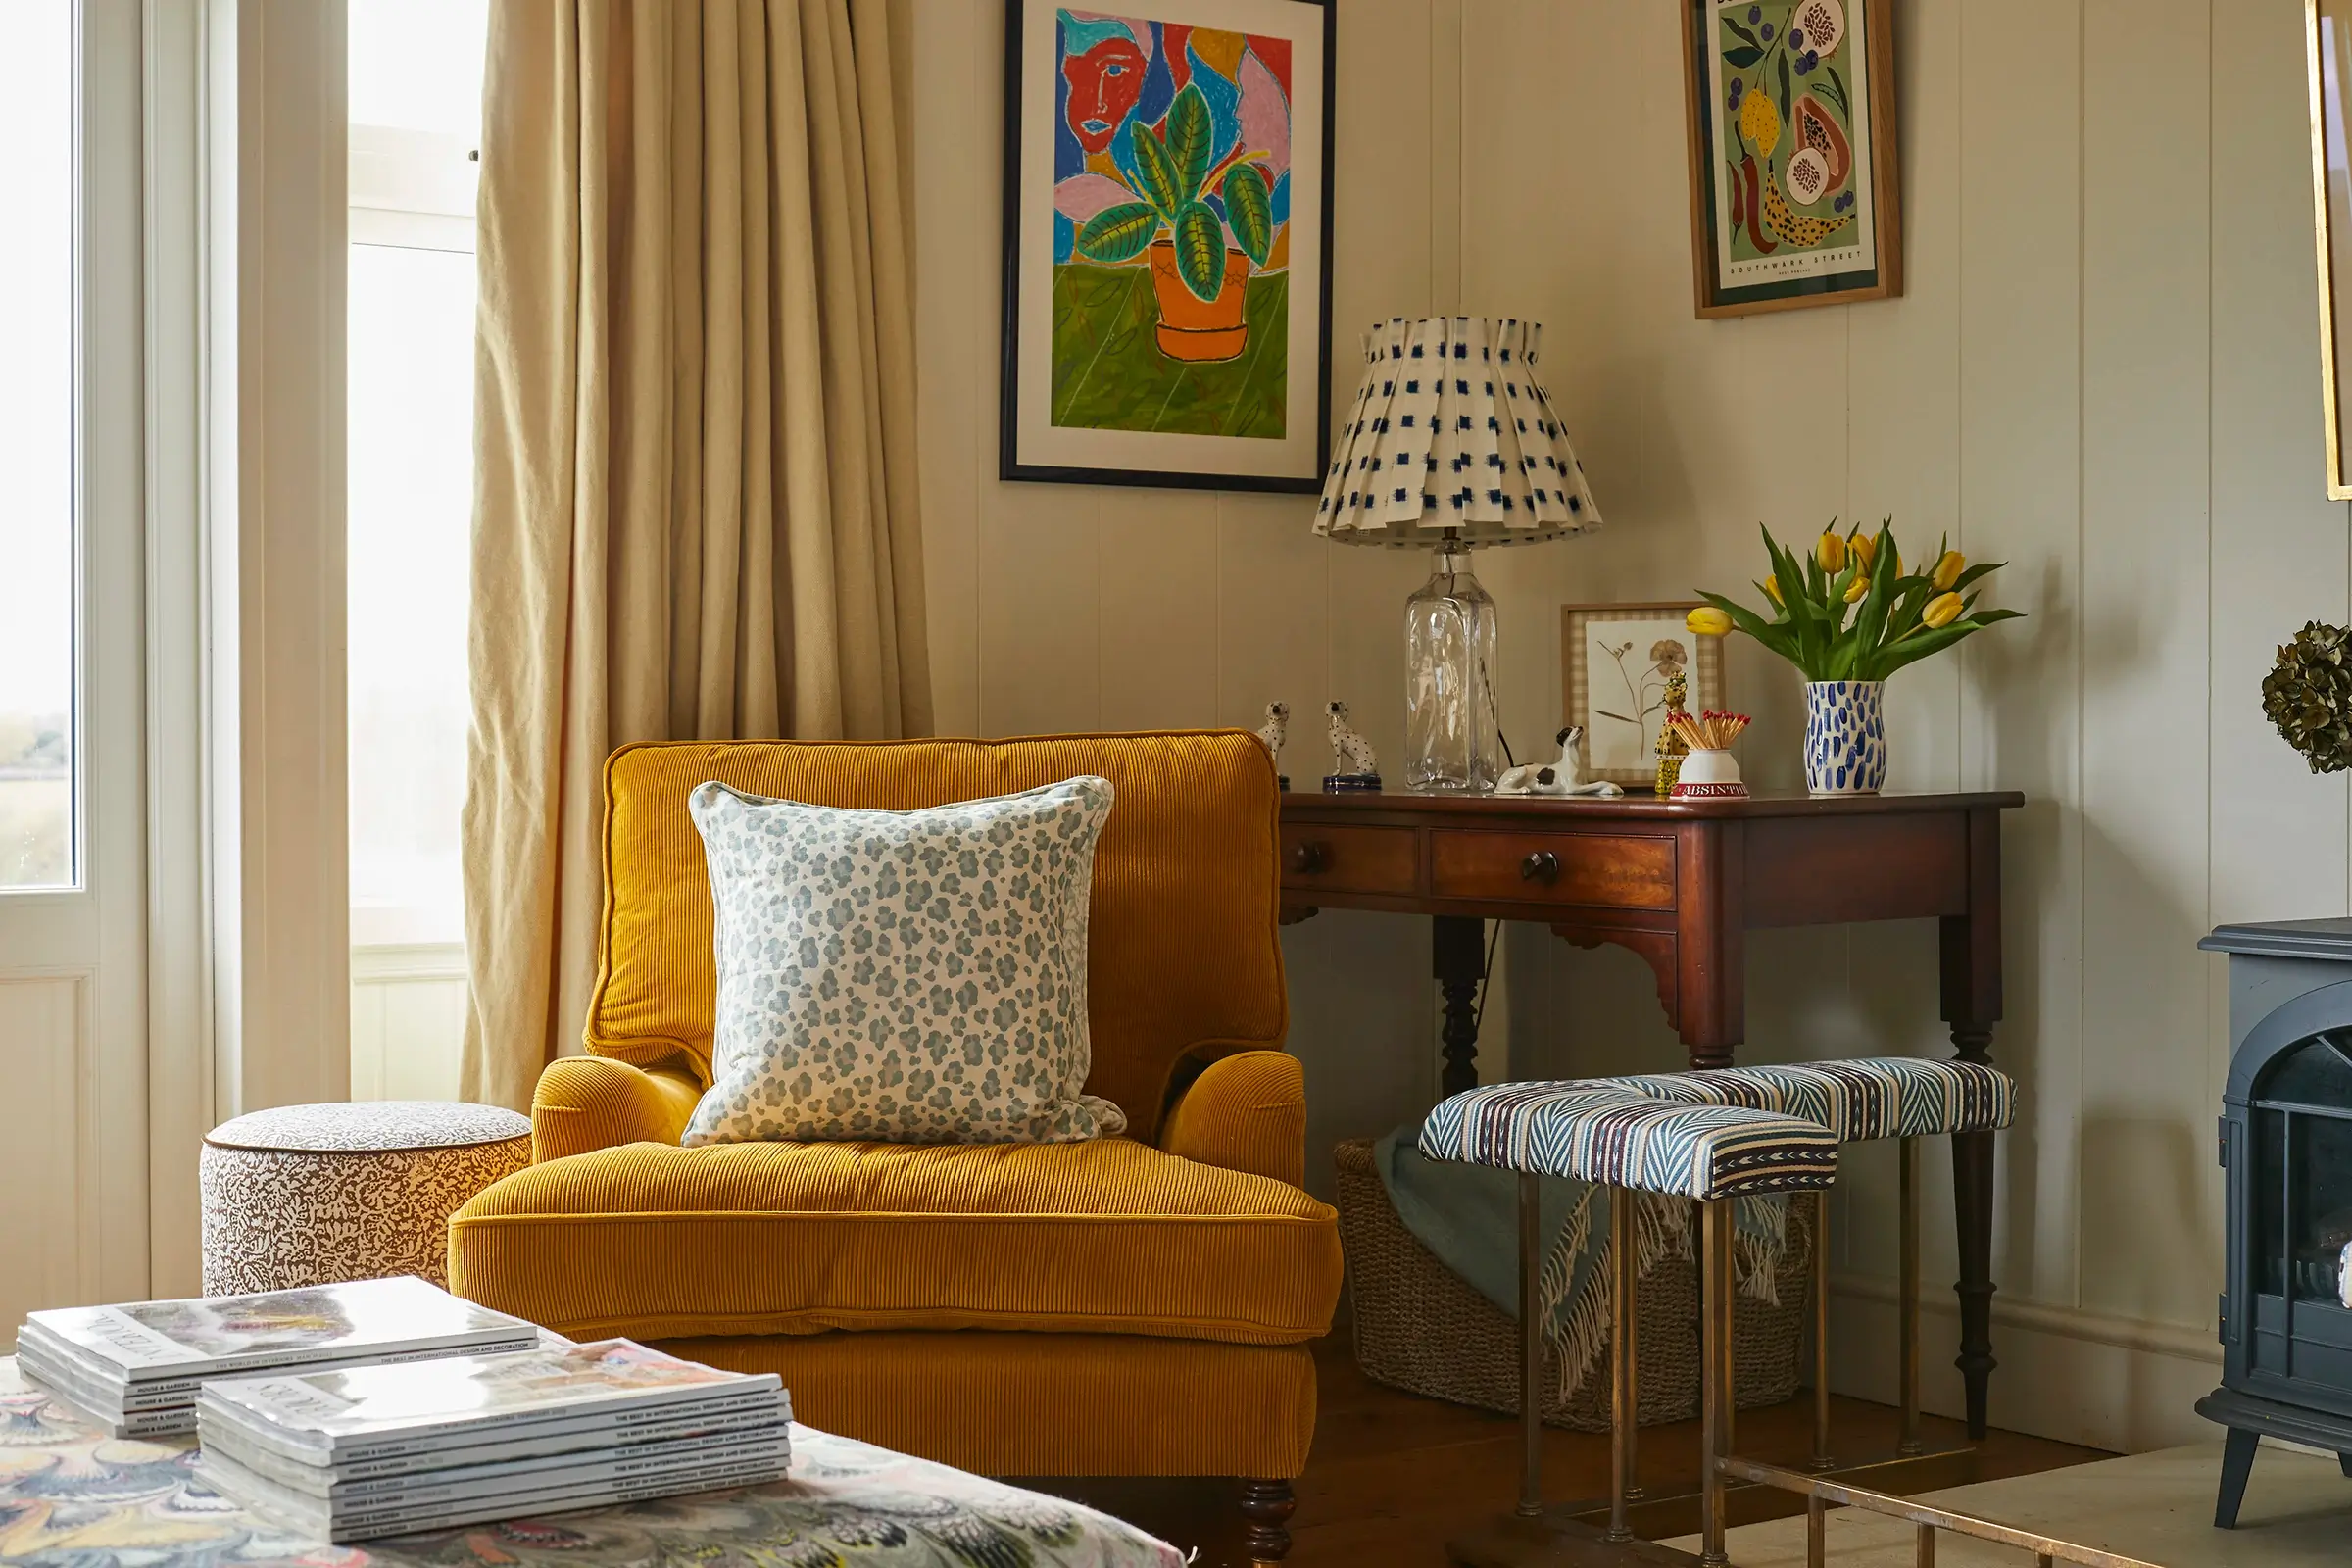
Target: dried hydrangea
[{"x": 2308, "y": 695}]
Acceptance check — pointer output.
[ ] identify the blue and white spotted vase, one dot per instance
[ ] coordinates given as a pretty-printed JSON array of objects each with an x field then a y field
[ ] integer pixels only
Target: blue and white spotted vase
[{"x": 1845, "y": 737}]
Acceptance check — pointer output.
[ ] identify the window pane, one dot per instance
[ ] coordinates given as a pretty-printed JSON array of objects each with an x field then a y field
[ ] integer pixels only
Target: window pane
[
  {"x": 411, "y": 466},
  {"x": 36, "y": 451}
]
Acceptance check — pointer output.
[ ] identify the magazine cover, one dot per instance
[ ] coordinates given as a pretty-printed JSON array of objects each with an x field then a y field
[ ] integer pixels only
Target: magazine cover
[
  {"x": 143, "y": 1340},
  {"x": 340, "y": 1412}
]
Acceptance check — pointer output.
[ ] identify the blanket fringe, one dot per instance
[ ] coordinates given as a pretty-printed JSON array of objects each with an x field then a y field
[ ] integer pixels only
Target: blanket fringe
[{"x": 1662, "y": 1230}]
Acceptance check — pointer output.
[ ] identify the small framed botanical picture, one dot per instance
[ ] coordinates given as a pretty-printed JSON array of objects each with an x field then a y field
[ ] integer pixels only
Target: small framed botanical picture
[
  {"x": 1167, "y": 243},
  {"x": 1793, "y": 196},
  {"x": 1615, "y": 664}
]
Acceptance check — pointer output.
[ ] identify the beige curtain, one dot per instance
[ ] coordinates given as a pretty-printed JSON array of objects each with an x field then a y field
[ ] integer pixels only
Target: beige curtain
[{"x": 695, "y": 497}]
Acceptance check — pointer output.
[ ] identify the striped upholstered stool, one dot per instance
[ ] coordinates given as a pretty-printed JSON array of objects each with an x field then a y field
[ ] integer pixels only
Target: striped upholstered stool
[
  {"x": 1620, "y": 1138},
  {"x": 1739, "y": 1132},
  {"x": 1903, "y": 1097}
]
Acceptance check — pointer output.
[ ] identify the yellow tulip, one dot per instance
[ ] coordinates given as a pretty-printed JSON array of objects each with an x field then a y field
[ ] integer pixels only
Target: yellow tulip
[
  {"x": 1857, "y": 588},
  {"x": 1708, "y": 621},
  {"x": 1941, "y": 610},
  {"x": 1948, "y": 569},
  {"x": 1772, "y": 589},
  {"x": 1831, "y": 552},
  {"x": 1866, "y": 549}
]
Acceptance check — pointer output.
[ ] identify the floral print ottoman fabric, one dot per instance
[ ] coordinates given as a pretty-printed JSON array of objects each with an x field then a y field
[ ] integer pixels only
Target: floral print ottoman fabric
[
  {"x": 71, "y": 1497},
  {"x": 902, "y": 976}
]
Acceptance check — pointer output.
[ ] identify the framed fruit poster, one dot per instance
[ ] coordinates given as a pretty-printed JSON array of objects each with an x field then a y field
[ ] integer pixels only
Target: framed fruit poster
[
  {"x": 1167, "y": 264},
  {"x": 1793, "y": 196}
]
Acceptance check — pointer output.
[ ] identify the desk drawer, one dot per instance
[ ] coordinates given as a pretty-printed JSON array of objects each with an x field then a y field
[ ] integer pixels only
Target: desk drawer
[
  {"x": 1349, "y": 860},
  {"x": 1620, "y": 871}
]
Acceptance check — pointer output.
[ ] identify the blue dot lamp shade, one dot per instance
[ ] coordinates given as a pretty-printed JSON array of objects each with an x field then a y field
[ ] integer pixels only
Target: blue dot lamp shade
[{"x": 1452, "y": 432}]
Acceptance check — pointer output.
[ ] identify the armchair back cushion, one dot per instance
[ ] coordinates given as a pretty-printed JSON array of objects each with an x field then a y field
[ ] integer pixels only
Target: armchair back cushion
[{"x": 1182, "y": 952}]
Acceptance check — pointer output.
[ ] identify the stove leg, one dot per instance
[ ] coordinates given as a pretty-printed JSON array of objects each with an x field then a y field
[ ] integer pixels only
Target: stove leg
[
  {"x": 2237, "y": 1463},
  {"x": 2343, "y": 1462}
]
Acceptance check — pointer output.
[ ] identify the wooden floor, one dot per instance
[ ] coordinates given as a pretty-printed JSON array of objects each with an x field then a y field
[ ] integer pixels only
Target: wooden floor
[{"x": 1394, "y": 1475}]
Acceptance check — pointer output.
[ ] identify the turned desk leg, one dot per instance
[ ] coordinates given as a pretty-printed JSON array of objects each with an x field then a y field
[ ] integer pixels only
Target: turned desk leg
[
  {"x": 1972, "y": 1003},
  {"x": 1972, "y": 1206},
  {"x": 1458, "y": 950}
]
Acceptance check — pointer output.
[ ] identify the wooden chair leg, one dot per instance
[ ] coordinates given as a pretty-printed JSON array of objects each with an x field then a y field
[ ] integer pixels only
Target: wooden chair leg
[{"x": 1267, "y": 1505}]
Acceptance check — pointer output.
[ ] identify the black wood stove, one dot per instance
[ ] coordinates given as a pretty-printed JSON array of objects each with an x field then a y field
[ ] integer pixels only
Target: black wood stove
[{"x": 2286, "y": 1141}]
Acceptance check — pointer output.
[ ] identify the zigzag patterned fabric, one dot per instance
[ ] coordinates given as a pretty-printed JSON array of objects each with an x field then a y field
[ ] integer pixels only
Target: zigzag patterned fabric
[
  {"x": 1870, "y": 1096},
  {"x": 1621, "y": 1139}
]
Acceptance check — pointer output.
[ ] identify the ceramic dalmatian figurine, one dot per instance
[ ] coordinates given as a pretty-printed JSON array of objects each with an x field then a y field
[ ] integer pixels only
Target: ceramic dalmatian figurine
[
  {"x": 1354, "y": 764},
  {"x": 1273, "y": 733}
]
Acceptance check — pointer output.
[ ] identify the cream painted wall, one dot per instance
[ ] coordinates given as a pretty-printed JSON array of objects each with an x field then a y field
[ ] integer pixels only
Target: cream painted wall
[{"x": 2103, "y": 371}]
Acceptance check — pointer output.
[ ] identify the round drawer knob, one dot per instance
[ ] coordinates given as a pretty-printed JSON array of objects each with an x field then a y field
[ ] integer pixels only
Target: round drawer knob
[
  {"x": 1541, "y": 865},
  {"x": 1309, "y": 858}
]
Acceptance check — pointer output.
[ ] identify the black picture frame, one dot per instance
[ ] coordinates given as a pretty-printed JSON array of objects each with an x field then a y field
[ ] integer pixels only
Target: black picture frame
[{"x": 1009, "y": 463}]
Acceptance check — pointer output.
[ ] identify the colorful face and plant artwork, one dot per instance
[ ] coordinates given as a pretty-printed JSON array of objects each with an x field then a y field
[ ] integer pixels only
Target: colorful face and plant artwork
[
  {"x": 1795, "y": 196},
  {"x": 1171, "y": 227}
]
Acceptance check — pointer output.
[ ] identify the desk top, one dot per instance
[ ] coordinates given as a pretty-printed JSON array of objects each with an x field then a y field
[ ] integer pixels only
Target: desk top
[{"x": 1642, "y": 804}]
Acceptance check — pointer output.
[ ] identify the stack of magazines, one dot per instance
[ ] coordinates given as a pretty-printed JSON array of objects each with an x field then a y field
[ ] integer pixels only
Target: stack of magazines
[
  {"x": 137, "y": 1367},
  {"x": 387, "y": 1451}
]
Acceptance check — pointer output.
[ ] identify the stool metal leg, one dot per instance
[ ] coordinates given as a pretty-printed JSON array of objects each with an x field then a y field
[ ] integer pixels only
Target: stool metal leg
[
  {"x": 1531, "y": 1345},
  {"x": 1907, "y": 1304},
  {"x": 1821, "y": 1333},
  {"x": 1624, "y": 1403},
  {"x": 1715, "y": 1372}
]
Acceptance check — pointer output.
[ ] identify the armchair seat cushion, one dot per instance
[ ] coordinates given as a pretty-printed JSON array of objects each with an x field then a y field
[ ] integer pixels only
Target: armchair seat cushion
[{"x": 1107, "y": 1237}]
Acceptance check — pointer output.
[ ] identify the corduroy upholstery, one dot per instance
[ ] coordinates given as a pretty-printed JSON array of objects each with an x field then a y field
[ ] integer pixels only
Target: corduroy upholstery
[
  {"x": 1123, "y": 1309},
  {"x": 1182, "y": 957},
  {"x": 1107, "y": 1236},
  {"x": 1048, "y": 1405}
]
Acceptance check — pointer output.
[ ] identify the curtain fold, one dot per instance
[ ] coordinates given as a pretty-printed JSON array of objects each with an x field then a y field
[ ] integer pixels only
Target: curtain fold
[{"x": 695, "y": 506}]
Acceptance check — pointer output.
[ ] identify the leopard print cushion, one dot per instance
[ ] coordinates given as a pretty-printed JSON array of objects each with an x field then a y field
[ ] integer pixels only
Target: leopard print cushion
[{"x": 902, "y": 976}]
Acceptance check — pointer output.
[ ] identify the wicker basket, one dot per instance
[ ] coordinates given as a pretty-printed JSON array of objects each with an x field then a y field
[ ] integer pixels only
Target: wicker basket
[{"x": 1419, "y": 1327}]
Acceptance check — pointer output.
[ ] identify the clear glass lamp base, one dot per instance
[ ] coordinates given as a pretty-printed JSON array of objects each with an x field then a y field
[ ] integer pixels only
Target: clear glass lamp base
[{"x": 1451, "y": 746}]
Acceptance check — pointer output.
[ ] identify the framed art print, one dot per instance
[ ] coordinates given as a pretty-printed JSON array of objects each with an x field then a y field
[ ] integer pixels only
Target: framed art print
[
  {"x": 2327, "y": 27},
  {"x": 1794, "y": 190},
  {"x": 1167, "y": 261},
  {"x": 1615, "y": 661}
]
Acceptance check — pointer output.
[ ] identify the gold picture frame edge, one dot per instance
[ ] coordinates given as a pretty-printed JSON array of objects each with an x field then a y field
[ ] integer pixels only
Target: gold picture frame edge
[
  {"x": 2339, "y": 488},
  {"x": 1576, "y": 694},
  {"x": 1886, "y": 178}
]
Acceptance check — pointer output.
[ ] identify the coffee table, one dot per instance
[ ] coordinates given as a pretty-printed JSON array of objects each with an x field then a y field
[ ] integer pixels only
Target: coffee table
[{"x": 71, "y": 1497}]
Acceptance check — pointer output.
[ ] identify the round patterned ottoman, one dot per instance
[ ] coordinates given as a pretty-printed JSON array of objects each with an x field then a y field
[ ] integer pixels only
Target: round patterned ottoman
[{"x": 307, "y": 1195}]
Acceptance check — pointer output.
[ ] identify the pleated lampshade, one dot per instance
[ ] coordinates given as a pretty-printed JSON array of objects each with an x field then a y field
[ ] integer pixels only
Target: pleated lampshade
[{"x": 1454, "y": 443}]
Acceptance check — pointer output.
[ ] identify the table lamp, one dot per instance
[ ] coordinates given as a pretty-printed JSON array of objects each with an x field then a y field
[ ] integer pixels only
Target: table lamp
[{"x": 1452, "y": 446}]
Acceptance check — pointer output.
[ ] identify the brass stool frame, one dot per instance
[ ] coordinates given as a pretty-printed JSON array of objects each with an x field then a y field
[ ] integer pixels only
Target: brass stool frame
[{"x": 1719, "y": 1465}]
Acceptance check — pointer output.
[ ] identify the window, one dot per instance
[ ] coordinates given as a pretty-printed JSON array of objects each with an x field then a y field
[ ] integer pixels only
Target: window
[
  {"x": 416, "y": 93},
  {"x": 38, "y": 583}
]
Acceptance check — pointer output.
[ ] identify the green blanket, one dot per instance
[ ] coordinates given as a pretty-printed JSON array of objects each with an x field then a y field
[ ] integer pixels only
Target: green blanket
[{"x": 1468, "y": 1217}]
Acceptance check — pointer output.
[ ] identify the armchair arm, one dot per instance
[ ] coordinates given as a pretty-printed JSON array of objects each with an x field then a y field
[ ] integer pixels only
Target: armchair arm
[
  {"x": 1246, "y": 1111},
  {"x": 589, "y": 1103}
]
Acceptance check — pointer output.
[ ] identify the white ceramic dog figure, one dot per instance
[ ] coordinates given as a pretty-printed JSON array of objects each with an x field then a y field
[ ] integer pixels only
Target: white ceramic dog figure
[
  {"x": 1352, "y": 754},
  {"x": 1276, "y": 730},
  {"x": 1563, "y": 777}
]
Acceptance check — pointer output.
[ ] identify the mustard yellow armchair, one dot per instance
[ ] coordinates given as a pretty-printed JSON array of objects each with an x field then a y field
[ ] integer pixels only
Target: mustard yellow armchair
[{"x": 1134, "y": 1306}]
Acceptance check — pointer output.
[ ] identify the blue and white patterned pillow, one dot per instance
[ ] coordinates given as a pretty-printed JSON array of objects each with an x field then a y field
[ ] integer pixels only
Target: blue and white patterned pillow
[{"x": 902, "y": 976}]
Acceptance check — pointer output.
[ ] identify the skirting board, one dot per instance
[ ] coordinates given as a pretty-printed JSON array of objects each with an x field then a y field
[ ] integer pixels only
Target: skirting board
[{"x": 2075, "y": 1375}]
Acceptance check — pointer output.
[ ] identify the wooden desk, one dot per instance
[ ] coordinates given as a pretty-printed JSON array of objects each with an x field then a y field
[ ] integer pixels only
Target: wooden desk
[{"x": 1681, "y": 885}]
